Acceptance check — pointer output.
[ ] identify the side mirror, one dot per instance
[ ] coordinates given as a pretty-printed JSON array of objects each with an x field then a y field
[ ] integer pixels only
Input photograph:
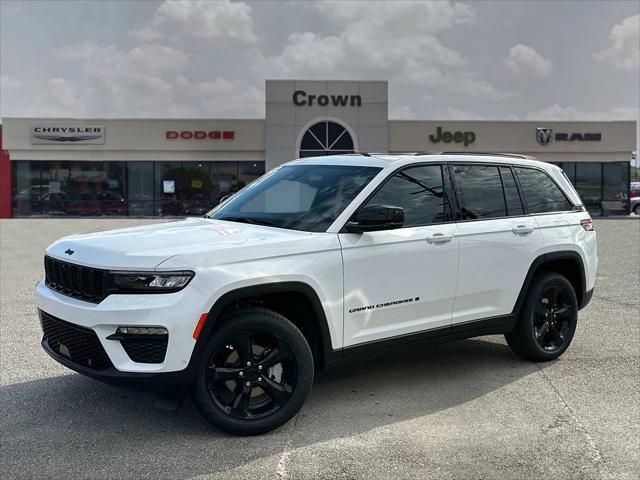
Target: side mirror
[{"x": 376, "y": 217}]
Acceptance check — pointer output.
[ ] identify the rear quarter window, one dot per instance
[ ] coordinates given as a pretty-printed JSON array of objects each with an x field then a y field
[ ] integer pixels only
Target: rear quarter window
[{"x": 541, "y": 194}]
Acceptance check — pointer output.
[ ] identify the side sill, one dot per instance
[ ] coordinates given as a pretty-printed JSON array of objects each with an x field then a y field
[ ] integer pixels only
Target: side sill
[{"x": 476, "y": 328}]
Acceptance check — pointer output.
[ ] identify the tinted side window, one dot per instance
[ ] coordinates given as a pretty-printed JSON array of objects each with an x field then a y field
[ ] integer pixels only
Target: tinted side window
[
  {"x": 540, "y": 193},
  {"x": 419, "y": 191},
  {"x": 479, "y": 190},
  {"x": 511, "y": 195}
]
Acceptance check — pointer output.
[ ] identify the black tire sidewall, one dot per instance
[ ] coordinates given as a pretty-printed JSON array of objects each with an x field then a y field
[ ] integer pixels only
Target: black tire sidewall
[
  {"x": 269, "y": 322},
  {"x": 540, "y": 283}
]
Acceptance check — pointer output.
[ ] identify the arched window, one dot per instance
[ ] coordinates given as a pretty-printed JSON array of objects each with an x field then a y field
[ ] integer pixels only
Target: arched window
[{"x": 325, "y": 138}]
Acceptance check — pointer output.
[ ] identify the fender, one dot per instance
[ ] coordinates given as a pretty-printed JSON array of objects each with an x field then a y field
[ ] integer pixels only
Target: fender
[
  {"x": 581, "y": 293},
  {"x": 262, "y": 289}
]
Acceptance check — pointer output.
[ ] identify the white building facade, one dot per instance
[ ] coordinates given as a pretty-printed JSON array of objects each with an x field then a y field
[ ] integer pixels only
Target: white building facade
[{"x": 161, "y": 167}]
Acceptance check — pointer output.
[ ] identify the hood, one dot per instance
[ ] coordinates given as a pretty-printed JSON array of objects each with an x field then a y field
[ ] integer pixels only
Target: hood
[{"x": 147, "y": 246}]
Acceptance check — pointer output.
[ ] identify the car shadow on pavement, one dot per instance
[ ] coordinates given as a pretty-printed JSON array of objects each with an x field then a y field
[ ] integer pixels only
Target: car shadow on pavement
[{"x": 73, "y": 427}]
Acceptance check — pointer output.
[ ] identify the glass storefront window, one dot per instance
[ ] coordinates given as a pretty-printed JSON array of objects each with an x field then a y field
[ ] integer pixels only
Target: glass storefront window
[
  {"x": 168, "y": 188},
  {"x": 22, "y": 192},
  {"x": 197, "y": 191},
  {"x": 589, "y": 185},
  {"x": 140, "y": 189},
  {"x": 570, "y": 169},
  {"x": 615, "y": 188}
]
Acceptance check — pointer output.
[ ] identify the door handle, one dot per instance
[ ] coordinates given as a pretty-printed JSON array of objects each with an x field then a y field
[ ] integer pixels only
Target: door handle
[
  {"x": 439, "y": 238},
  {"x": 522, "y": 230}
]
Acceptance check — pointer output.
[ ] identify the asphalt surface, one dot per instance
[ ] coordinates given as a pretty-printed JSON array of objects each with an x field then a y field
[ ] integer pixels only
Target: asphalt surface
[{"x": 464, "y": 410}]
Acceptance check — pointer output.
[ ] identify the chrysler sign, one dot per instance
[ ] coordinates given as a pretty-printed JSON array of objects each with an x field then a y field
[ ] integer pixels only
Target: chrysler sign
[{"x": 67, "y": 134}]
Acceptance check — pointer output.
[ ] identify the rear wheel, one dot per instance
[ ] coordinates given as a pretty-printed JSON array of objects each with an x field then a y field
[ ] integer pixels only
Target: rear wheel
[
  {"x": 547, "y": 320},
  {"x": 256, "y": 373}
]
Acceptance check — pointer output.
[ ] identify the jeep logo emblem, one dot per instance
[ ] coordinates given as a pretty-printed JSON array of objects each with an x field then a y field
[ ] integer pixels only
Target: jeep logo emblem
[
  {"x": 457, "y": 137},
  {"x": 543, "y": 135}
]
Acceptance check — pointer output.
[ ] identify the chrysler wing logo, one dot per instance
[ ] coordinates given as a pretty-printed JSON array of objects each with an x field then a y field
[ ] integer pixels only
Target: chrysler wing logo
[
  {"x": 68, "y": 251},
  {"x": 543, "y": 135},
  {"x": 74, "y": 138}
]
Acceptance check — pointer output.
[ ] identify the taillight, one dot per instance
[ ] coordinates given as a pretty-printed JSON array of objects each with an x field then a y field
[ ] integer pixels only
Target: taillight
[{"x": 587, "y": 224}]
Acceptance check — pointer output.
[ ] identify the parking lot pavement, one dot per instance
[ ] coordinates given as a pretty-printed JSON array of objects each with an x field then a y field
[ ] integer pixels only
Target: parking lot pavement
[{"x": 469, "y": 409}]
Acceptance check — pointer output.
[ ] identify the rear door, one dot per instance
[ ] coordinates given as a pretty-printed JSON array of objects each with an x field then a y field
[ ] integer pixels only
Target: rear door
[
  {"x": 498, "y": 241},
  {"x": 402, "y": 281}
]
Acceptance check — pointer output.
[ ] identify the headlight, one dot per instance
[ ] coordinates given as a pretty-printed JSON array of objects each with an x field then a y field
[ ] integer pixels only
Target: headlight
[{"x": 165, "y": 282}]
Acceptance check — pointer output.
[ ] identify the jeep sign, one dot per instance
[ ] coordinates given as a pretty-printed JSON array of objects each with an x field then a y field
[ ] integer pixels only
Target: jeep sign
[{"x": 457, "y": 137}]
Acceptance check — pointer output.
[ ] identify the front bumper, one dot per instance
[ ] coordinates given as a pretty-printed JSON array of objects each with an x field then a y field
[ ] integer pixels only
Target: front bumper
[
  {"x": 177, "y": 312},
  {"x": 156, "y": 382}
]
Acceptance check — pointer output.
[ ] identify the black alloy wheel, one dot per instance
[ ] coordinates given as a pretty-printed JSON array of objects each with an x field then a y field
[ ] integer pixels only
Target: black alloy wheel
[
  {"x": 255, "y": 374},
  {"x": 547, "y": 320},
  {"x": 553, "y": 318},
  {"x": 251, "y": 375}
]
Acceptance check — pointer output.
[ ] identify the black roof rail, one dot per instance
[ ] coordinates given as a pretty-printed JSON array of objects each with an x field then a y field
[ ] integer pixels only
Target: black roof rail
[
  {"x": 365, "y": 154},
  {"x": 487, "y": 154},
  {"x": 417, "y": 154}
]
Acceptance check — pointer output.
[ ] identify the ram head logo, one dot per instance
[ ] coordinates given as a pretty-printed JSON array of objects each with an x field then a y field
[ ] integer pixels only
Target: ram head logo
[{"x": 543, "y": 135}]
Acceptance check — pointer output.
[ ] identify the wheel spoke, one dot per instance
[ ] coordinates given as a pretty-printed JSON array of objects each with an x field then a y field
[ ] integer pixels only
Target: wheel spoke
[
  {"x": 272, "y": 358},
  {"x": 240, "y": 406},
  {"x": 542, "y": 310},
  {"x": 278, "y": 393},
  {"x": 223, "y": 374},
  {"x": 553, "y": 296},
  {"x": 563, "y": 310},
  {"x": 557, "y": 336},
  {"x": 542, "y": 331},
  {"x": 244, "y": 347}
]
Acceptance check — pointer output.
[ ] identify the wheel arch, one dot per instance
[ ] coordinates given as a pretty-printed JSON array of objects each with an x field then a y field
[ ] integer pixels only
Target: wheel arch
[
  {"x": 567, "y": 263},
  {"x": 316, "y": 330}
]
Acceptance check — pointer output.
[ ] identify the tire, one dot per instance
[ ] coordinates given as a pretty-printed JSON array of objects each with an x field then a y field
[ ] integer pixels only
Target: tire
[
  {"x": 253, "y": 399},
  {"x": 636, "y": 209},
  {"x": 547, "y": 320}
]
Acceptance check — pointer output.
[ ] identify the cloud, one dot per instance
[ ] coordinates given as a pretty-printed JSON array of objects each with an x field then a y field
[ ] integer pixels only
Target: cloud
[
  {"x": 9, "y": 83},
  {"x": 524, "y": 61},
  {"x": 624, "y": 52},
  {"x": 558, "y": 112},
  {"x": 403, "y": 112},
  {"x": 394, "y": 41},
  {"x": 63, "y": 93},
  {"x": 201, "y": 19}
]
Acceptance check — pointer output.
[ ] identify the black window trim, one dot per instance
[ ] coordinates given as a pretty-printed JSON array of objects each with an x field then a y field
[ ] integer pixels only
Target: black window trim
[
  {"x": 454, "y": 188},
  {"x": 523, "y": 198},
  {"x": 453, "y": 213},
  {"x": 447, "y": 197},
  {"x": 512, "y": 166}
]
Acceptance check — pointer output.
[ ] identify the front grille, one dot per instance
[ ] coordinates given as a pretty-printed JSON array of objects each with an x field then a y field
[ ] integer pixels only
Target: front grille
[
  {"x": 79, "y": 344},
  {"x": 75, "y": 281},
  {"x": 146, "y": 350}
]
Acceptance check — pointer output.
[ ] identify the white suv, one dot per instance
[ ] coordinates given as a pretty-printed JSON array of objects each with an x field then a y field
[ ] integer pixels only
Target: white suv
[{"x": 319, "y": 260}]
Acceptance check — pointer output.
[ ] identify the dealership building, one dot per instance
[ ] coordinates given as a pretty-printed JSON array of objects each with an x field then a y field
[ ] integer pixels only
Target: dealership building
[{"x": 163, "y": 167}]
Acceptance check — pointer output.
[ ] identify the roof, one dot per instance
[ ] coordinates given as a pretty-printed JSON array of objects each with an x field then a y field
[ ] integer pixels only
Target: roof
[{"x": 384, "y": 160}]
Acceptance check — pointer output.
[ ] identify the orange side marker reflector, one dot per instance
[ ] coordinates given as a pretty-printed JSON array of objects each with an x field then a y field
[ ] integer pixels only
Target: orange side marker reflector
[{"x": 196, "y": 332}]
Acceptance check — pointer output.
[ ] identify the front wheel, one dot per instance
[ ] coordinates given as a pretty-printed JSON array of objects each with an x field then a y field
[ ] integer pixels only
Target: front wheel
[
  {"x": 256, "y": 373},
  {"x": 547, "y": 319}
]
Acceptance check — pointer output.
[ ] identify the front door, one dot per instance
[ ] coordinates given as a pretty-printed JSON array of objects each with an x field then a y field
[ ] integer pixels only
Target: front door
[{"x": 402, "y": 281}]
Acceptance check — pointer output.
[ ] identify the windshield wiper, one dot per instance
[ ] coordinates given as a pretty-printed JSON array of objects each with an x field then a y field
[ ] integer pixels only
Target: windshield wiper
[{"x": 252, "y": 221}]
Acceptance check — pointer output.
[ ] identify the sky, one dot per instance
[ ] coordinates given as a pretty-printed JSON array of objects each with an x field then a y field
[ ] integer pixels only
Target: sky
[{"x": 538, "y": 60}]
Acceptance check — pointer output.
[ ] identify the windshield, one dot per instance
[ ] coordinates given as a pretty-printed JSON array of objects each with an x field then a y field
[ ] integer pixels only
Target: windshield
[{"x": 297, "y": 197}]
